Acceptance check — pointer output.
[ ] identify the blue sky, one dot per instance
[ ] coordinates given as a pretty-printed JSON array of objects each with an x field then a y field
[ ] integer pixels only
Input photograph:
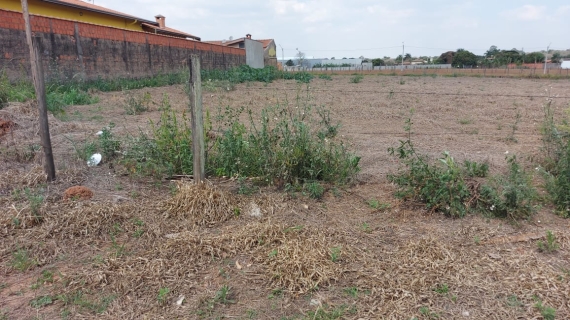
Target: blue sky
[{"x": 368, "y": 28}]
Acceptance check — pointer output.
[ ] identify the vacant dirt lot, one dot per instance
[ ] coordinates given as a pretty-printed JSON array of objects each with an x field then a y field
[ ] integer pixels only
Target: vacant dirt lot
[{"x": 136, "y": 251}]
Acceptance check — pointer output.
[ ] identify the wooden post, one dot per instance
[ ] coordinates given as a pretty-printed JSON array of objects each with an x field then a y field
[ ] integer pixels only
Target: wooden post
[
  {"x": 197, "y": 118},
  {"x": 39, "y": 85}
]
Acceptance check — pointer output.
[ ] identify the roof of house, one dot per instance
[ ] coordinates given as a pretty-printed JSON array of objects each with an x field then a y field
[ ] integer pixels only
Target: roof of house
[
  {"x": 147, "y": 23},
  {"x": 170, "y": 31},
  {"x": 264, "y": 42},
  {"x": 95, "y": 8}
]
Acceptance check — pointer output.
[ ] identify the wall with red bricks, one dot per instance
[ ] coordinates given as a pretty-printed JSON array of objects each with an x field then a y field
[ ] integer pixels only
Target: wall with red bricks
[{"x": 75, "y": 49}]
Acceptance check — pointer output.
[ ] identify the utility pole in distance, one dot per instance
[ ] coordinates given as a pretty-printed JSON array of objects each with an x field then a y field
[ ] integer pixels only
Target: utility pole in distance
[
  {"x": 546, "y": 57},
  {"x": 402, "y": 57},
  {"x": 39, "y": 85}
]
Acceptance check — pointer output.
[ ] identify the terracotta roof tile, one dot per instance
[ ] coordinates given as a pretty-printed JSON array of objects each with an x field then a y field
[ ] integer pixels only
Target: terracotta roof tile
[
  {"x": 264, "y": 42},
  {"x": 92, "y": 7},
  {"x": 168, "y": 30}
]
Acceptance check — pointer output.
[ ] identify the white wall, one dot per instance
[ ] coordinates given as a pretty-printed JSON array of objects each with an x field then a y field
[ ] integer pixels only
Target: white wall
[{"x": 254, "y": 53}]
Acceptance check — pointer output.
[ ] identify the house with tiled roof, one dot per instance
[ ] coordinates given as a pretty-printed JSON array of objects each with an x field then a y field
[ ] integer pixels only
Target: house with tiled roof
[
  {"x": 269, "y": 47},
  {"x": 82, "y": 11}
]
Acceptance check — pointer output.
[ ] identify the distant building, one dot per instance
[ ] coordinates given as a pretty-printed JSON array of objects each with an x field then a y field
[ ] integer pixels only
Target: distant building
[{"x": 269, "y": 47}]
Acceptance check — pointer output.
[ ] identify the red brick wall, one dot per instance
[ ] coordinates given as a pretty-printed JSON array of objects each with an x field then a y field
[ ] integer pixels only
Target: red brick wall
[{"x": 99, "y": 51}]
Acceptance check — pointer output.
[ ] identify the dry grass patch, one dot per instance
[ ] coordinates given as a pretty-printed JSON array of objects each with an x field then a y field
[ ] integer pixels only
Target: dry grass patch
[{"x": 203, "y": 204}]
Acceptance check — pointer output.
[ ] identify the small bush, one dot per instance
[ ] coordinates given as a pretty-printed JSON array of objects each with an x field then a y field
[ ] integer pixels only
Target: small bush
[
  {"x": 550, "y": 245},
  {"x": 509, "y": 196},
  {"x": 356, "y": 78},
  {"x": 217, "y": 85},
  {"x": 105, "y": 143},
  {"x": 291, "y": 145},
  {"x": 325, "y": 77},
  {"x": 138, "y": 105},
  {"x": 245, "y": 73},
  {"x": 446, "y": 187},
  {"x": 556, "y": 161},
  {"x": 59, "y": 97},
  {"x": 315, "y": 190}
]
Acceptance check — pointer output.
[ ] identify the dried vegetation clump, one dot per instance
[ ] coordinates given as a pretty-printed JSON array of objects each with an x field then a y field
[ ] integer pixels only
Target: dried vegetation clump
[
  {"x": 203, "y": 204},
  {"x": 5, "y": 127},
  {"x": 77, "y": 193}
]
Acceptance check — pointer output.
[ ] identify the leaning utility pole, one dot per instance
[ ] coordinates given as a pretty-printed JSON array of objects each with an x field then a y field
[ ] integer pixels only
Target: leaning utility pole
[{"x": 39, "y": 85}]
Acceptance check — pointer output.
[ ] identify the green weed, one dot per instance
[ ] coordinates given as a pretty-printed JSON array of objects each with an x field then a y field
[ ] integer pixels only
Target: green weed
[
  {"x": 78, "y": 298},
  {"x": 352, "y": 291},
  {"x": 45, "y": 277},
  {"x": 510, "y": 195},
  {"x": 21, "y": 260},
  {"x": 137, "y": 105},
  {"x": 356, "y": 78},
  {"x": 162, "y": 295},
  {"x": 60, "y": 96},
  {"x": 427, "y": 313},
  {"x": 275, "y": 293},
  {"x": 556, "y": 161},
  {"x": 314, "y": 189},
  {"x": 513, "y": 301},
  {"x": 514, "y": 127},
  {"x": 290, "y": 145},
  {"x": 551, "y": 245},
  {"x": 548, "y": 313},
  {"x": 222, "y": 295},
  {"x": 325, "y": 77},
  {"x": 244, "y": 73},
  {"x": 325, "y": 313},
  {"x": 41, "y": 301},
  {"x": 335, "y": 254},
  {"x": 442, "y": 289},
  {"x": 443, "y": 186}
]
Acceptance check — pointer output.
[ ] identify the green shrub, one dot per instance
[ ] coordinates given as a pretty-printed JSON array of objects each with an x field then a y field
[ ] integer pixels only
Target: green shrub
[
  {"x": 172, "y": 141},
  {"x": 245, "y": 73},
  {"x": 59, "y": 97},
  {"x": 325, "y": 77},
  {"x": 138, "y": 105},
  {"x": 289, "y": 144},
  {"x": 556, "y": 162},
  {"x": 357, "y": 78},
  {"x": 314, "y": 189},
  {"x": 509, "y": 196},
  {"x": 445, "y": 186},
  {"x": 106, "y": 144}
]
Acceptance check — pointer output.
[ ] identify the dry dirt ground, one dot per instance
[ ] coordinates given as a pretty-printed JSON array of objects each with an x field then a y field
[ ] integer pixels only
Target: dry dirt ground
[{"x": 137, "y": 251}]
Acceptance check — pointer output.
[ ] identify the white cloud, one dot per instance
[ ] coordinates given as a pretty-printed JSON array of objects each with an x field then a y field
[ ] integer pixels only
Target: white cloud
[
  {"x": 527, "y": 13},
  {"x": 389, "y": 15},
  {"x": 282, "y": 7}
]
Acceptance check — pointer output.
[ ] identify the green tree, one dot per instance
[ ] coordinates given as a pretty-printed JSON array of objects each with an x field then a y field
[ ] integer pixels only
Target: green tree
[
  {"x": 289, "y": 63},
  {"x": 509, "y": 56},
  {"x": 463, "y": 58},
  {"x": 408, "y": 57},
  {"x": 493, "y": 50},
  {"x": 534, "y": 57},
  {"x": 556, "y": 57},
  {"x": 378, "y": 62}
]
